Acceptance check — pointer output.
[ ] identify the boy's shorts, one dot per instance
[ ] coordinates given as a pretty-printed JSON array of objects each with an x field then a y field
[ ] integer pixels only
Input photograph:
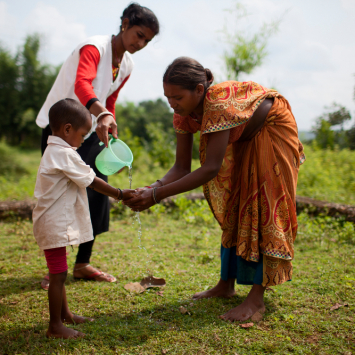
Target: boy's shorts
[{"x": 56, "y": 260}]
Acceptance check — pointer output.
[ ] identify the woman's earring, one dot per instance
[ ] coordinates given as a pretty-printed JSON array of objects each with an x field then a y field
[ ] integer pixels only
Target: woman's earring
[{"x": 122, "y": 29}]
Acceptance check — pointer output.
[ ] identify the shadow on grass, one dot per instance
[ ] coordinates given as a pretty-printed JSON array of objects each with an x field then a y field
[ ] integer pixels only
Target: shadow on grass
[
  {"x": 18, "y": 285},
  {"x": 124, "y": 332}
]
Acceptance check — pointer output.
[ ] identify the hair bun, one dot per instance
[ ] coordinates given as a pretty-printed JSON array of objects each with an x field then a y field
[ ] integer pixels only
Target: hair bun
[{"x": 209, "y": 75}]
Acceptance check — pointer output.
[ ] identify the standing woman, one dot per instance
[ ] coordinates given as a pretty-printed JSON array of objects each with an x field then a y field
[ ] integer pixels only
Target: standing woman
[
  {"x": 250, "y": 156},
  {"x": 94, "y": 74}
]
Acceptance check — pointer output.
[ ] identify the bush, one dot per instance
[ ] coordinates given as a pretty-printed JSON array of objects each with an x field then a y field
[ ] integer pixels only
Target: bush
[
  {"x": 10, "y": 164},
  {"x": 328, "y": 175}
]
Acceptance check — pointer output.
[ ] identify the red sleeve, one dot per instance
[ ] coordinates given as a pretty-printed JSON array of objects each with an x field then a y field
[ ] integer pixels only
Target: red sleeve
[
  {"x": 86, "y": 73},
  {"x": 111, "y": 100}
]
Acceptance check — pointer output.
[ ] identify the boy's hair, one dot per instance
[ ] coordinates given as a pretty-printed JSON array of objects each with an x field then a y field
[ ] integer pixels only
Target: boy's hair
[{"x": 68, "y": 111}]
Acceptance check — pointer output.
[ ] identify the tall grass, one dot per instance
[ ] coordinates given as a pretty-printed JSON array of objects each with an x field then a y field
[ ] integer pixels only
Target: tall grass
[{"x": 326, "y": 175}]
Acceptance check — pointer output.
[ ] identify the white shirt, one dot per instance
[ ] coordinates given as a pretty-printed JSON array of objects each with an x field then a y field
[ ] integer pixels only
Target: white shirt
[
  {"x": 61, "y": 216},
  {"x": 103, "y": 85}
]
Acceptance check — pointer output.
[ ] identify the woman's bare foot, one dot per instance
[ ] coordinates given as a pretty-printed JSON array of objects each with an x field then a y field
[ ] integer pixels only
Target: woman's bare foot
[
  {"x": 252, "y": 304},
  {"x": 61, "y": 331},
  {"x": 87, "y": 272},
  {"x": 222, "y": 289},
  {"x": 75, "y": 319}
]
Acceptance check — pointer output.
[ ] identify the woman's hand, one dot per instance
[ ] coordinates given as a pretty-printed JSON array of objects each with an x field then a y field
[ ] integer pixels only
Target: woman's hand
[
  {"x": 141, "y": 200},
  {"x": 105, "y": 123}
]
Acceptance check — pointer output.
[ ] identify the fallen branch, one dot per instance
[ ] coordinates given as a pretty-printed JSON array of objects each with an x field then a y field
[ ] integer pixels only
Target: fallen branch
[{"x": 23, "y": 209}]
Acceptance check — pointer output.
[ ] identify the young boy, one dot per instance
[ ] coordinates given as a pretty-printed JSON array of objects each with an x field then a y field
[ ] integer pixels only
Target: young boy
[{"x": 61, "y": 216}]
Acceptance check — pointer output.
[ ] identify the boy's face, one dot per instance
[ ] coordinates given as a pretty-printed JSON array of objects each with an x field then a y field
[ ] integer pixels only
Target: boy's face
[{"x": 76, "y": 137}]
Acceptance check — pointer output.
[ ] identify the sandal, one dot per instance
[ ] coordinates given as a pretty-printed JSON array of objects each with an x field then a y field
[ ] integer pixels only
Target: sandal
[
  {"x": 45, "y": 283},
  {"x": 93, "y": 276}
]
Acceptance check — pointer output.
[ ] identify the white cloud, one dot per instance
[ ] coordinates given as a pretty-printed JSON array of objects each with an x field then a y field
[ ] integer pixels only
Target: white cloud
[
  {"x": 8, "y": 26},
  {"x": 310, "y": 59},
  {"x": 61, "y": 32}
]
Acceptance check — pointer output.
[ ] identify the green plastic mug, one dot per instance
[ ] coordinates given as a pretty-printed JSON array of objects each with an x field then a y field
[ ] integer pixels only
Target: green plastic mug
[{"x": 114, "y": 158}]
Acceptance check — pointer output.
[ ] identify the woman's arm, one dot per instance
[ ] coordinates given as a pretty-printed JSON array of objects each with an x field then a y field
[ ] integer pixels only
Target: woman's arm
[
  {"x": 85, "y": 74},
  {"x": 216, "y": 149}
]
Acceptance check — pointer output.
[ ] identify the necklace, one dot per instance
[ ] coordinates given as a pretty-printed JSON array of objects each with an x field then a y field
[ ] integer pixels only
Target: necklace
[{"x": 115, "y": 70}]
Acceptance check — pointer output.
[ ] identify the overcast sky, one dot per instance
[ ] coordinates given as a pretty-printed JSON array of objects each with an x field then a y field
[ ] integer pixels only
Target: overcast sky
[{"x": 310, "y": 62}]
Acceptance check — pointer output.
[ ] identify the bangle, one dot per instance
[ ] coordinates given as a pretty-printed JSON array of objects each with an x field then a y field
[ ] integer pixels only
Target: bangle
[
  {"x": 161, "y": 183},
  {"x": 154, "y": 195},
  {"x": 121, "y": 194},
  {"x": 103, "y": 114}
]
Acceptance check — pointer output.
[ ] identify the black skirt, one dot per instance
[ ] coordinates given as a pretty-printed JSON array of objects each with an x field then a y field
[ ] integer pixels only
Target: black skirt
[{"x": 98, "y": 203}]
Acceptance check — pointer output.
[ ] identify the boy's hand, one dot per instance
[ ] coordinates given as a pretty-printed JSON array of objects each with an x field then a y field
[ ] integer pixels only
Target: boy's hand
[{"x": 128, "y": 194}]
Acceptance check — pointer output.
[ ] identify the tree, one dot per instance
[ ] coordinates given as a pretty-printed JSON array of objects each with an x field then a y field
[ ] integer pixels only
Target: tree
[
  {"x": 136, "y": 118},
  {"x": 36, "y": 82},
  {"x": 246, "y": 51},
  {"x": 9, "y": 98},
  {"x": 24, "y": 85},
  {"x": 327, "y": 136}
]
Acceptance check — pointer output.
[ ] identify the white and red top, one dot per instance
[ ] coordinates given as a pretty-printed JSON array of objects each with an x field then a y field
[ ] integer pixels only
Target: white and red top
[{"x": 86, "y": 76}]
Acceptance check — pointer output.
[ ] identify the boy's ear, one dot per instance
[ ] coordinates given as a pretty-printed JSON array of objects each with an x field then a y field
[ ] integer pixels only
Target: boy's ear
[{"x": 67, "y": 128}]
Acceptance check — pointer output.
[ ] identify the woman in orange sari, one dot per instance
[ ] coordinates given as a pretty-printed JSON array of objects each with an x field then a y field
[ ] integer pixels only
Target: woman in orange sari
[{"x": 250, "y": 156}]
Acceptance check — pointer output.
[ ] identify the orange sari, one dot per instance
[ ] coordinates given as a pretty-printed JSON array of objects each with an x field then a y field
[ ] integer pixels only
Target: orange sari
[{"x": 253, "y": 197}]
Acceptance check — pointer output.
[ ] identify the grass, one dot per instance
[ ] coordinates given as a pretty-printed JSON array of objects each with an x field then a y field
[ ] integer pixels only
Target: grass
[
  {"x": 298, "y": 318},
  {"x": 183, "y": 247},
  {"x": 326, "y": 175}
]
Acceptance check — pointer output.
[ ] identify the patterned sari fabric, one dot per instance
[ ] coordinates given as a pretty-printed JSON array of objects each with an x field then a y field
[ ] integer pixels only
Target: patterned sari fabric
[{"x": 253, "y": 197}]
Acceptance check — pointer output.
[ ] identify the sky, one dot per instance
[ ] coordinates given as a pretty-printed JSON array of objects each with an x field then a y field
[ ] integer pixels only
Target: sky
[{"x": 310, "y": 59}]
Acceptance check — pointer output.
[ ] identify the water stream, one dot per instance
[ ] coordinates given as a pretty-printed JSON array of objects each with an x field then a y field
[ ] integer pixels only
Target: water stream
[{"x": 137, "y": 218}]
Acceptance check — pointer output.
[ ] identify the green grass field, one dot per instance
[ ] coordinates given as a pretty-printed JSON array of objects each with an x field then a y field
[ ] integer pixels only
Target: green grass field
[
  {"x": 326, "y": 175},
  {"x": 298, "y": 318},
  {"x": 182, "y": 245}
]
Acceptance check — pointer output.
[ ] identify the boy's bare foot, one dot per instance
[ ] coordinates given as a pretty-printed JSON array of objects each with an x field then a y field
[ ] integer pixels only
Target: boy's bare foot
[
  {"x": 222, "y": 289},
  {"x": 75, "y": 319},
  {"x": 252, "y": 304},
  {"x": 63, "y": 332}
]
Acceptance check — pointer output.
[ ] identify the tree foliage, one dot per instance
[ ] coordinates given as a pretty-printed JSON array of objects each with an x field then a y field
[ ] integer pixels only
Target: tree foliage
[
  {"x": 247, "y": 51},
  {"x": 24, "y": 85},
  {"x": 325, "y": 129}
]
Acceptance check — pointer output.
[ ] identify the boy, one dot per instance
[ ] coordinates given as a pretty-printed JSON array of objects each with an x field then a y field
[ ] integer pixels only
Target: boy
[{"x": 61, "y": 216}]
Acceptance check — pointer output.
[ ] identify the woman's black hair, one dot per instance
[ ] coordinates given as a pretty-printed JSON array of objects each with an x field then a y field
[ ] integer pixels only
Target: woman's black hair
[
  {"x": 187, "y": 73},
  {"x": 140, "y": 16}
]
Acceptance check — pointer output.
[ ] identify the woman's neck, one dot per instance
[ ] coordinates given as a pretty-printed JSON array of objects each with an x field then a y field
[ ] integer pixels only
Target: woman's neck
[
  {"x": 117, "y": 48},
  {"x": 198, "y": 111}
]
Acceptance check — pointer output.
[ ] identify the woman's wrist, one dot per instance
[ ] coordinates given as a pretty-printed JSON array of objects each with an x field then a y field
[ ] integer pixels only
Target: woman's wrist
[
  {"x": 101, "y": 115},
  {"x": 154, "y": 194},
  {"x": 160, "y": 193}
]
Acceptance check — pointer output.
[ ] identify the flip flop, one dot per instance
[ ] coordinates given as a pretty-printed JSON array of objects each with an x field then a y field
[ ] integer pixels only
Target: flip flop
[
  {"x": 45, "y": 283},
  {"x": 91, "y": 277}
]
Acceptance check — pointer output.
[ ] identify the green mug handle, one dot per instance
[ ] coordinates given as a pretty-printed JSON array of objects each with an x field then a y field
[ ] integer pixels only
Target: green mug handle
[{"x": 110, "y": 136}]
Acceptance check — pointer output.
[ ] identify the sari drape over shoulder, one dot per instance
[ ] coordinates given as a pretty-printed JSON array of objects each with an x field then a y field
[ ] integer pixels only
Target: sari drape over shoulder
[{"x": 253, "y": 197}]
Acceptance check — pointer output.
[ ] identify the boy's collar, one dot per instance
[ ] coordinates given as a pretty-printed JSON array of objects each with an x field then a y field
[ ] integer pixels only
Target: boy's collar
[{"x": 59, "y": 141}]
